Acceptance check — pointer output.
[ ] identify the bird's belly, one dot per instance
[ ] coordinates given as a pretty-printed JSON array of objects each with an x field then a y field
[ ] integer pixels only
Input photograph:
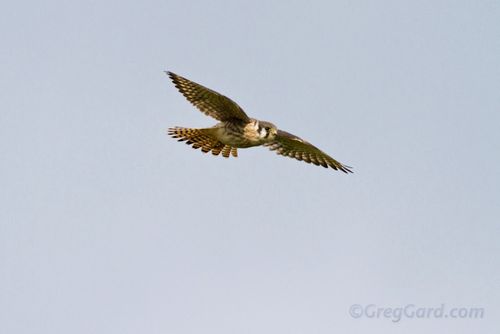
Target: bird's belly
[{"x": 235, "y": 139}]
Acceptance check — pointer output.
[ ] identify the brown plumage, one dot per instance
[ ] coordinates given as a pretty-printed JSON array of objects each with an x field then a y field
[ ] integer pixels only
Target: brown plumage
[
  {"x": 237, "y": 130},
  {"x": 292, "y": 146},
  {"x": 202, "y": 138}
]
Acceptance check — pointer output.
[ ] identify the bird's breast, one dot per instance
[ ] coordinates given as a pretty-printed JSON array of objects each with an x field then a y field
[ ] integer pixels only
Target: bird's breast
[{"x": 238, "y": 135}]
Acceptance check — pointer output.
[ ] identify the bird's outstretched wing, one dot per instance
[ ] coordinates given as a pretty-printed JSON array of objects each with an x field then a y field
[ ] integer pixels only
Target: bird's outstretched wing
[
  {"x": 208, "y": 101},
  {"x": 292, "y": 146}
]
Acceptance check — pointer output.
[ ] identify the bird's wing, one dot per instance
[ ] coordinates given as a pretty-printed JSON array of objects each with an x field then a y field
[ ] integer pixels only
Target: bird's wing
[
  {"x": 292, "y": 146},
  {"x": 208, "y": 101}
]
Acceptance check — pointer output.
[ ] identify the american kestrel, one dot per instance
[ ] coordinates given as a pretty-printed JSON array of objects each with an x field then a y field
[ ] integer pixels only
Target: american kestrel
[{"x": 237, "y": 130}]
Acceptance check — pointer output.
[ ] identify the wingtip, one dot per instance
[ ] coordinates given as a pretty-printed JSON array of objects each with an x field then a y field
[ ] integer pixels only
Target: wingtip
[
  {"x": 346, "y": 169},
  {"x": 171, "y": 75}
]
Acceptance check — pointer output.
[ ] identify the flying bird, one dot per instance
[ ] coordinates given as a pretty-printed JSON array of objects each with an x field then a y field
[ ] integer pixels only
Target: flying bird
[{"x": 236, "y": 130}]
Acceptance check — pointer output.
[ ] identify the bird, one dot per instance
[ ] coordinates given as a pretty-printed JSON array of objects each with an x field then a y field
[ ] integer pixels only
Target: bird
[{"x": 236, "y": 130}]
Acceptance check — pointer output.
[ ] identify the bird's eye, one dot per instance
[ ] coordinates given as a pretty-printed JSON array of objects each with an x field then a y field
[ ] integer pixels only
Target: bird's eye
[{"x": 267, "y": 128}]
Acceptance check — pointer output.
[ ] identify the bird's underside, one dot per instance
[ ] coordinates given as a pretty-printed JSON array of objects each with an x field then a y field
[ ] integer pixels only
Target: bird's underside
[{"x": 237, "y": 130}]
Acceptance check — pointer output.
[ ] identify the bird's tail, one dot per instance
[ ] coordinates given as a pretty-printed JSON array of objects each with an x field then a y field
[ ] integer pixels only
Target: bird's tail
[{"x": 202, "y": 138}]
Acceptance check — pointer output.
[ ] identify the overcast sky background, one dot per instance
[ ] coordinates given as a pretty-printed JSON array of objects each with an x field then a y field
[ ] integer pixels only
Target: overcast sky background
[{"x": 107, "y": 225}]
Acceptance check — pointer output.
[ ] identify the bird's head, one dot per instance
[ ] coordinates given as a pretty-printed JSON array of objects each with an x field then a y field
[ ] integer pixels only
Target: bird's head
[{"x": 267, "y": 130}]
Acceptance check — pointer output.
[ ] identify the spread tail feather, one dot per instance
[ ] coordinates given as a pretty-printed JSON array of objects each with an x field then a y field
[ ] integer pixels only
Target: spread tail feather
[{"x": 202, "y": 138}]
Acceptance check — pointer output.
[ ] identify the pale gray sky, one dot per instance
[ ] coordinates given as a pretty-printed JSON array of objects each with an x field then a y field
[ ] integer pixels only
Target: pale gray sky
[{"x": 109, "y": 226}]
